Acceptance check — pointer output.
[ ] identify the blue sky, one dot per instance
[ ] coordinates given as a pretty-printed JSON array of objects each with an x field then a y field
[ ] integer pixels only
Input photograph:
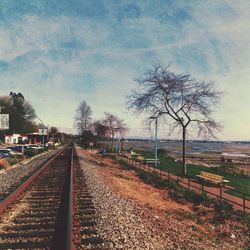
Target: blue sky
[{"x": 60, "y": 52}]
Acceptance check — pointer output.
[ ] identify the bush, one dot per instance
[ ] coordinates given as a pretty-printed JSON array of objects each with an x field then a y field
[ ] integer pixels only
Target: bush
[
  {"x": 152, "y": 178},
  {"x": 223, "y": 210},
  {"x": 196, "y": 198},
  {"x": 243, "y": 217},
  {"x": 12, "y": 161},
  {"x": 15, "y": 159},
  {"x": 161, "y": 152},
  {"x": 4, "y": 164},
  {"x": 126, "y": 165},
  {"x": 30, "y": 152},
  {"x": 171, "y": 184}
]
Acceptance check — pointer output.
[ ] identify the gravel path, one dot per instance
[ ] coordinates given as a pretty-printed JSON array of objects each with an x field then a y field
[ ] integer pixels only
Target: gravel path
[
  {"x": 124, "y": 224},
  {"x": 11, "y": 178}
]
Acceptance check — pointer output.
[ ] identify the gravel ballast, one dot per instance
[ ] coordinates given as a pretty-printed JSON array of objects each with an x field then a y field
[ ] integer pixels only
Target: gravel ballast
[
  {"x": 124, "y": 224},
  {"x": 14, "y": 176}
]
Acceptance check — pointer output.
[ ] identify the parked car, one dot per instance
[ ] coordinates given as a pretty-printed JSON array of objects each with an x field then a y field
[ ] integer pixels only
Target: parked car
[
  {"x": 17, "y": 149},
  {"x": 35, "y": 146},
  {"x": 5, "y": 152},
  {"x": 3, "y": 155}
]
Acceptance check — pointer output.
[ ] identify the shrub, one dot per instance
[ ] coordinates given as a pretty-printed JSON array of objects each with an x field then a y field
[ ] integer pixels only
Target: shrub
[
  {"x": 42, "y": 150},
  {"x": 223, "y": 210},
  {"x": 3, "y": 163},
  {"x": 171, "y": 184},
  {"x": 126, "y": 165},
  {"x": 161, "y": 152},
  {"x": 19, "y": 157},
  {"x": 15, "y": 159},
  {"x": 177, "y": 193},
  {"x": 12, "y": 161},
  {"x": 196, "y": 198},
  {"x": 243, "y": 217},
  {"x": 184, "y": 214},
  {"x": 30, "y": 152},
  {"x": 151, "y": 178}
]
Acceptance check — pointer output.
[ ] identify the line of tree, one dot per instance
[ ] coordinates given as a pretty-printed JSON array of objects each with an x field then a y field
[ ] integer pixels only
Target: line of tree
[
  {"x": 22, "y": 117},
  {"x": 21, "y": 113},
  {"x": 89, "y": 130},
  {"x": 176, "y": 100}
]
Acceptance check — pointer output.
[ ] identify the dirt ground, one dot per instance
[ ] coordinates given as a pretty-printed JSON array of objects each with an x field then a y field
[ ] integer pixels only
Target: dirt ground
[
  {"x": 130, "y": 186},
  {"x": 127, "y": 184}
]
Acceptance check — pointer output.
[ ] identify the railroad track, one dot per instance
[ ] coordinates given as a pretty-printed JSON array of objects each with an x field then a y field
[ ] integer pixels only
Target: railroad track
[
  {"x": 51, "y": 210},
  {"x": 6, "y": 192}
]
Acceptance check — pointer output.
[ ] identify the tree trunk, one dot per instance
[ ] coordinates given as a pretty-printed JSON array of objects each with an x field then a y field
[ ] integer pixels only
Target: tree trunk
[
  {"x": 184, "y": 167},
  {"x": 82, "y": 137},
  {"x": 122, "y": 144},
  {"x": 112, "y": 147}
]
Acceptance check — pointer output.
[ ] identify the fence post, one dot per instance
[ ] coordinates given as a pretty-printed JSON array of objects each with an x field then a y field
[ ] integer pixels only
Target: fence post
[
  {"x": 244, "y": 201},
  {"x": 220, "y": 192}
]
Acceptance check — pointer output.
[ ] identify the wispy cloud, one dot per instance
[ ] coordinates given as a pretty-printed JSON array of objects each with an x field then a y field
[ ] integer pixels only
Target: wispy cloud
[{"x": 58, "y": 53}]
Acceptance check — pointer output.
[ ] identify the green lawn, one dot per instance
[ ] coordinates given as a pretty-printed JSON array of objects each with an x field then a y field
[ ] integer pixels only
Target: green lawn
[{"x": 241, "y": 183}]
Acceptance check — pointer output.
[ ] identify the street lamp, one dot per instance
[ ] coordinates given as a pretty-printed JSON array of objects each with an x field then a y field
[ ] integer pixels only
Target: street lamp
[
  {"x": 156, "y": 128},
  {"x": 156, "y": 125}
]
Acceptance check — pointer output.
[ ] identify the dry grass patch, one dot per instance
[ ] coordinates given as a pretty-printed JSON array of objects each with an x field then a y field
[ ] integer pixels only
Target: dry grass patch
[{"x": 130, "y": 186}]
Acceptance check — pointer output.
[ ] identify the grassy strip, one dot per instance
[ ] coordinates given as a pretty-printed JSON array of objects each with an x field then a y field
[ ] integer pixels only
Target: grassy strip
[
  {"x": 222, "y": 209},
  {"x": 240, "y": 182}
]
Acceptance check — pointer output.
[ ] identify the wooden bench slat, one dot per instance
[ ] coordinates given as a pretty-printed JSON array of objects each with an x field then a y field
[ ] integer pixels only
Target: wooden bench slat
[{"x": 212, "y": 177}]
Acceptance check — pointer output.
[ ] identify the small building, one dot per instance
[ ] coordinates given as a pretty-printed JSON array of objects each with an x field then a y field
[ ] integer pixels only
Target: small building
[
  {"x": 16, "y": 139},
  {"x": 40, "y": 137}
]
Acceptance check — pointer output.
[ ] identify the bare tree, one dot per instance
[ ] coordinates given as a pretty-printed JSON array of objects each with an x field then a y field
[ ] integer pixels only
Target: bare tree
[
  {"x": 114, "y": 125},
  {"x": 53, "y": 131},
  {"x": 100, "y": 129},
  {"x": 181, "y": 98},
  {"x": 83, "y": 118}
]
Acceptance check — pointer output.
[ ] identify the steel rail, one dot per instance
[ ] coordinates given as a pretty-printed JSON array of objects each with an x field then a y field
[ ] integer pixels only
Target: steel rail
[
  {"x": 70, "y": 227},
  {"x": 10, "y": 198}
]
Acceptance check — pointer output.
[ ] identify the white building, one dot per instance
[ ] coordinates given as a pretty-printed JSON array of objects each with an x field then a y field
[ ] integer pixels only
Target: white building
[{"x": 15, "y": 139}]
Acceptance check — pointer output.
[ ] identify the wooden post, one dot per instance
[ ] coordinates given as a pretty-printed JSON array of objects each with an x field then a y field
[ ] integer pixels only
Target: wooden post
[{"x": 244, "y": 201}]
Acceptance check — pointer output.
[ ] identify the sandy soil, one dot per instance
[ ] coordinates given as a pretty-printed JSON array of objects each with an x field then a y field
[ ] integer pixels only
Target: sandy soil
[{"x": 128, "y": 185}]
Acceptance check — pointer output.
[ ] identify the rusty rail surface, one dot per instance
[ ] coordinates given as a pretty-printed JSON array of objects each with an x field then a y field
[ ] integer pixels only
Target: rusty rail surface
[
  {"x": 53, "y": 209},
  {"x": 9, "y": 199},
  {"x": 43, "y": 224}
]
